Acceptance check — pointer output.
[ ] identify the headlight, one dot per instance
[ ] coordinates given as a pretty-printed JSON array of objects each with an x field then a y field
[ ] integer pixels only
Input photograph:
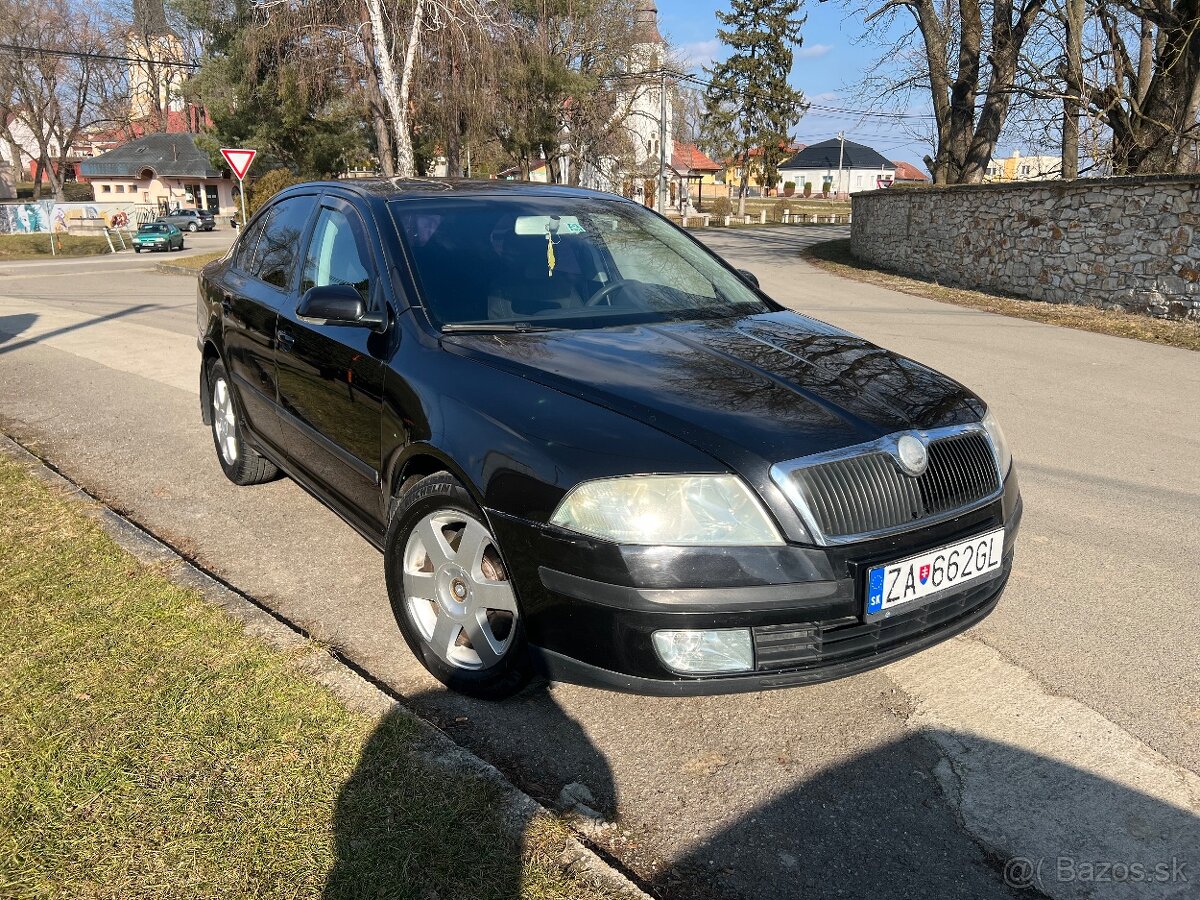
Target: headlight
[
  {"x": 690, "y": 510},
  {"x": 999, "y": 444}
]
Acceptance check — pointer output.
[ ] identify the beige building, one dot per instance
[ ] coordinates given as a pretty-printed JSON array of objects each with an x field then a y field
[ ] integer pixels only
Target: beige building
[
  {"x": 1023, "y": 168},
  {"x": 160, "y": 171},
  {"x": 156, "y": 73}
]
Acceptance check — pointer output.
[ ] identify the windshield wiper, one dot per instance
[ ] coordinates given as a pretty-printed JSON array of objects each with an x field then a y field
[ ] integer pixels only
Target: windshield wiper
[{"x": 493, "y": 327}]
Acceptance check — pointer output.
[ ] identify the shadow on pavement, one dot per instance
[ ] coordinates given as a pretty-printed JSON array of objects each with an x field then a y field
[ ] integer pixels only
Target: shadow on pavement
[
  {"x": 876, "y": 825},
  {"x": 13, "y": 326}
]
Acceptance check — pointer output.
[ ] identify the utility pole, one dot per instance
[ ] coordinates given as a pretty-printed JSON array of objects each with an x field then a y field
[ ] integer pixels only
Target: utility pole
[
  {"x": 841, "y": 156},
  {"x": 1072, "y": 103},
  {"x": 662, "y": 143}
]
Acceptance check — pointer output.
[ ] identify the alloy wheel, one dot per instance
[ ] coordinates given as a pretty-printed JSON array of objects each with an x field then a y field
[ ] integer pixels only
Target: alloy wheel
[
  {"x": 224, "y": 421},
  {"x": 457, "y": 592}
]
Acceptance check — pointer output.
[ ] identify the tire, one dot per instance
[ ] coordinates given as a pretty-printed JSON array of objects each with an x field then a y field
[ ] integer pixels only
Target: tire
[
  {"x": 450, "y": 592},
  {"x": 137, "y": 249},
  {"x": 192, "y": 226},
  {"x": 241, "y": 463}
]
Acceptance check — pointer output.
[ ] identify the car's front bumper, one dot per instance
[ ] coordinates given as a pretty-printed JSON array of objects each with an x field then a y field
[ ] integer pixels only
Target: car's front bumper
[{"x": 590, "y": 607}]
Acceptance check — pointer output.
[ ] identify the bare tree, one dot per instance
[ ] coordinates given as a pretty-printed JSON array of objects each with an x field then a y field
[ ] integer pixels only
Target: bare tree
[
  {"x": 1150, "y": 95},
  {"x": 51, "y": 86},
  {"x": 966, "y": 55}
]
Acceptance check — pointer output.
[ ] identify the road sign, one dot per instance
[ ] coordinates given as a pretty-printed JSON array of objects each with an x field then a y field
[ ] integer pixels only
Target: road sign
[{"x": 239, "y": 160}]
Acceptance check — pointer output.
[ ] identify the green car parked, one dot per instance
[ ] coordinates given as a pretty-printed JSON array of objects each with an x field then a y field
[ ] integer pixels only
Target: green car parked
[{"x": 157, "y": 236}]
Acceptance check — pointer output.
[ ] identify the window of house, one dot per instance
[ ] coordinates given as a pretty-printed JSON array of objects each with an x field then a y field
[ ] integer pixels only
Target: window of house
[
  {"x": 120, "y": 188},
  {"x": 133, "y": 189},
  {"x": 106, "y": 188}
]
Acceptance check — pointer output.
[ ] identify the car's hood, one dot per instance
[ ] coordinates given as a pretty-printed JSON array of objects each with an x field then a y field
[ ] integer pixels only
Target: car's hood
[{"x": 774, "y": 386}]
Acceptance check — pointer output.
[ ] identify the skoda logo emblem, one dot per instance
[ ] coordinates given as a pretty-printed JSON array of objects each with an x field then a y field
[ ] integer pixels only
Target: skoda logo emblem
[{"x": 912, "y": 454}]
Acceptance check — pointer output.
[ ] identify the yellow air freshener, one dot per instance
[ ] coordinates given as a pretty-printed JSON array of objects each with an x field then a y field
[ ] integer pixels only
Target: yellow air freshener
[{"x": 549, "y": 255}]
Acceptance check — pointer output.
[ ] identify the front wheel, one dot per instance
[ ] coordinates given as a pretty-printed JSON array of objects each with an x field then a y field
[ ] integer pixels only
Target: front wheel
[
  {"x": 451, "y": 594},
  {"x": 192, "y": 226},
  {"x": 242, "y": 464}
]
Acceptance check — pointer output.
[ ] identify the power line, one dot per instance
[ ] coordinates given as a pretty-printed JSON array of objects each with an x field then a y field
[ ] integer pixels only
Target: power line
[{"x": 105, "y": 57}]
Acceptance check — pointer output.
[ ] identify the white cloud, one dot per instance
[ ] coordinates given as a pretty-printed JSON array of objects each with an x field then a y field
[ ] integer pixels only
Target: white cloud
[
  {"x": 699, "y": 53},
  {"x": 813, "y": 51},
  {"x": 824, "y": 98}
]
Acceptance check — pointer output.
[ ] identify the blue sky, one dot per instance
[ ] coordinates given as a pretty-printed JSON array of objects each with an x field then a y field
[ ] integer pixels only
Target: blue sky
[{"x": 829, "y": 67}]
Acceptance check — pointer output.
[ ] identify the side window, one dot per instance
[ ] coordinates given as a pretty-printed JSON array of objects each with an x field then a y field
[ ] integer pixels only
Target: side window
[
  {"x": 246, "y": 260},
  {"x": 338, "y": 254},
  {"x": 278, "y": 249}
]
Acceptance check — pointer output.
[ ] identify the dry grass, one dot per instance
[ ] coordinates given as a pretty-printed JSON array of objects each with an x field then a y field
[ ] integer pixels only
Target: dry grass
[
  {"x": 37, "y": 246},
  {"x": 149, "y": 748},
  {"x": 191, "y": 263},
  {"x": 835, "y": 257}
]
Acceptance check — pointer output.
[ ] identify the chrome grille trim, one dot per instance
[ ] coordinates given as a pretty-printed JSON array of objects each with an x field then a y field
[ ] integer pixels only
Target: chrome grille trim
[{"x": 861, "y": 492}]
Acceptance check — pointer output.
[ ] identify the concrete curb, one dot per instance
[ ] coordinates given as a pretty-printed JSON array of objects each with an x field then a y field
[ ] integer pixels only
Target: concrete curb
[
  {"x": 354, "y": 689},
  {"x": 169, "y": 269}
]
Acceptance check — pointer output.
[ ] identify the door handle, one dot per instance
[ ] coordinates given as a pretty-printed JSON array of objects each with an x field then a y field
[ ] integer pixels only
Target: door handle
[{"x": 285, "y": 340}]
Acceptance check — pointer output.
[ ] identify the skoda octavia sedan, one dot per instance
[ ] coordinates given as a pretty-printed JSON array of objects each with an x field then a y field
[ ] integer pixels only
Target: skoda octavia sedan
[{"x": 590, "y": 449}]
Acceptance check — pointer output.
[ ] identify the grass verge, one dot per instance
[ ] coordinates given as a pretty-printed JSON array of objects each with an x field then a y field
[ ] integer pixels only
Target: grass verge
[
  {"x": 34, "y": 246},
  {"x": 835, "y": 257},
  {"x": 190, "y": 263},
  {"x": 149, "y": 748}
]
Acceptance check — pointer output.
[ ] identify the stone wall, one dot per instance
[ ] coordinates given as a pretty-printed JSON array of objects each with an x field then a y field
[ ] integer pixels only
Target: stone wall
[{"x": 1130, "y": 243}]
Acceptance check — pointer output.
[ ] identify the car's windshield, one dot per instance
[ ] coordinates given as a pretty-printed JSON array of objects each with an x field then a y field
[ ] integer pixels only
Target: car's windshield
[
  {"x": 562, "y": 262},
  {"x": 153, "y": 229}
]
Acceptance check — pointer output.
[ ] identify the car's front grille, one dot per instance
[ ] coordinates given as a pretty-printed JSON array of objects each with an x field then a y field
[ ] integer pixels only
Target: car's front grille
[
  {"x": 864, "y": 494},
  {"x": 818, "y": 644}
]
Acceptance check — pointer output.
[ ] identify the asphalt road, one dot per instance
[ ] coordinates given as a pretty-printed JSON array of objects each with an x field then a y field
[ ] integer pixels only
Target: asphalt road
[{"x": 1062, "y": 728}]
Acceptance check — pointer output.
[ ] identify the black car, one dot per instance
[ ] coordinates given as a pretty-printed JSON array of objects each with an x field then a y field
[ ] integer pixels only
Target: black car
[{"x": 588, "y": 448}]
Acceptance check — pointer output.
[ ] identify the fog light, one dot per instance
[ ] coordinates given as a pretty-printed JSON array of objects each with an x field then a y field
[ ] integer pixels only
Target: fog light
[{"x": 705, "y": 652}]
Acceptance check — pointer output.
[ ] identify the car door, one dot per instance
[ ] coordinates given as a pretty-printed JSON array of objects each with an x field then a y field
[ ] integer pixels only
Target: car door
[
  {"x": 331, "y": 377},
  {"x": 262, "y": 277}
]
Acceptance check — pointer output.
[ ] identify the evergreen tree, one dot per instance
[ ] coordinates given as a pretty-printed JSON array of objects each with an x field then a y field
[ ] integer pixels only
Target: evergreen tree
[{"x": 749, "y": 102}]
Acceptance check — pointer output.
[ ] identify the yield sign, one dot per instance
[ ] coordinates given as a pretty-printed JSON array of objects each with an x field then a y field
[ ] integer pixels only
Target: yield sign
[{"x": 239, "y": 160}]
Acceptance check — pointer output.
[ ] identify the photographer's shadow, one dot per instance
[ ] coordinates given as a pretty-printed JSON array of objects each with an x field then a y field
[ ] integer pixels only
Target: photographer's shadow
[{"x": 887, "y": 823}]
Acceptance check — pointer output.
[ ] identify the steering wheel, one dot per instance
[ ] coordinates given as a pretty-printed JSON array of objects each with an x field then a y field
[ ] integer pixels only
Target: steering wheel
[{"x": 603, "y": 293}]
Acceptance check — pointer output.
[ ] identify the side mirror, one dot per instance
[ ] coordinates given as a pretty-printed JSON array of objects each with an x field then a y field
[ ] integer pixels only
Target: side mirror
[
  {"x": 337, "y": 304},
  {"x": 749, "y": 276}
]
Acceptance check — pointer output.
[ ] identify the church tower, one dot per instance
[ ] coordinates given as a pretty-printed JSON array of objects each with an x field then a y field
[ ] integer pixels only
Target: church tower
[
  {"x": 646, "y": 101},
  {"x": 156, "y": 76}
]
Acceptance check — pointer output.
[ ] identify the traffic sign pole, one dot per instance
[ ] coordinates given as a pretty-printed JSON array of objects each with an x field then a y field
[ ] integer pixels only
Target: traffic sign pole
[{"x": 242, "y": 194}]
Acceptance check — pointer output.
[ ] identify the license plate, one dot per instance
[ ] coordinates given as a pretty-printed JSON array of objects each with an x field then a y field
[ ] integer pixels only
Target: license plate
[{"x": 905, "y": 582}]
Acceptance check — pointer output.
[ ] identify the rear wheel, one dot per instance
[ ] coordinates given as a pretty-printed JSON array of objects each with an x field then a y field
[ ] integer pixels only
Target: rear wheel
[
  {"x": 242, "y": 464},
  {"x": 192, "y": 226},
  {"x": 451, "y": 594}
]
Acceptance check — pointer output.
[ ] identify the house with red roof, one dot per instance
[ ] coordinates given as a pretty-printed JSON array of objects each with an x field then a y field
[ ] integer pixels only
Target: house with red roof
[{"x": 907, "y": 173}]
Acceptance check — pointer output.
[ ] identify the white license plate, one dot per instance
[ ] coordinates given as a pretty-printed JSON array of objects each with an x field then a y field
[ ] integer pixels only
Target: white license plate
[{"x": 906, "y": 581}]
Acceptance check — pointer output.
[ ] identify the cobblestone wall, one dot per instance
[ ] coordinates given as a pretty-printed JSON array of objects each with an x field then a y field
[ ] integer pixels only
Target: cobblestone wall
[{"x": 1131, "y": 243}]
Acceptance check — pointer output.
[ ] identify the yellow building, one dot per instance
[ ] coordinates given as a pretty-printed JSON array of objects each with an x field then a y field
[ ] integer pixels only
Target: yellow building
[
  {"x": 731, "y": 173},
  {"x": 1023, "y": 168}
]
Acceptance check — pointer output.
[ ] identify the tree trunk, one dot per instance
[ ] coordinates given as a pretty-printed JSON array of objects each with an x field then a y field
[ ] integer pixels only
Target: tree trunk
[
  {"x": 396, "y": 91},
  {"x": 1073, "y": 82},
  {"x": 376, "y": 107}
]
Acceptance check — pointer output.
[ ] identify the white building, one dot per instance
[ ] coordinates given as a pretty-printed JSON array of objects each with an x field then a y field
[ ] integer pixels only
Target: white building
[
  {"x": 838, "y": 168},
  {"x": 639, "y": 116}
]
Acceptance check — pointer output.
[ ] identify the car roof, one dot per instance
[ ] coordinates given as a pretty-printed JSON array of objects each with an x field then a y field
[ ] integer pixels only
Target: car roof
[{"x": 405, "y": 188}]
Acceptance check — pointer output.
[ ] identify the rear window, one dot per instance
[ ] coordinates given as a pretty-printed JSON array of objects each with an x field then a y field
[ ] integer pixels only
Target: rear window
[{"x": 278, "y": 251}]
